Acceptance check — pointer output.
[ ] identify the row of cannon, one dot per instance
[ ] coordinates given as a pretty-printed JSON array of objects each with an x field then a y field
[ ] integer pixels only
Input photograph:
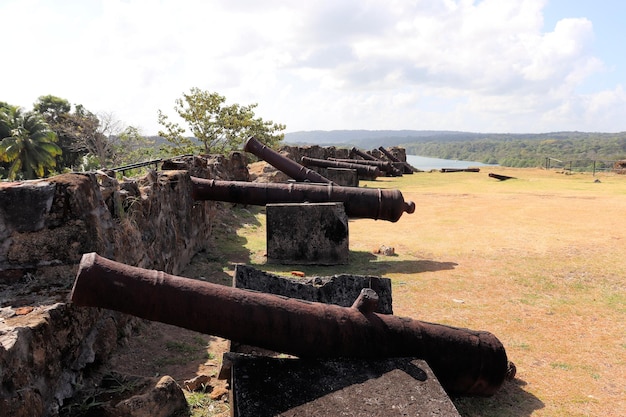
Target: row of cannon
[
  {"x": 466, "y": 362},
  {"x": 310, "y": 187},
  {"x": 366, "y": 165}
]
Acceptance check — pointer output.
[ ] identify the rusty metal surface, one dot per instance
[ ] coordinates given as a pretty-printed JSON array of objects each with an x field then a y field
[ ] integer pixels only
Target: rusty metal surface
[
  {"x": 282, "y": 163},
  {"x": 388, "y": 154},
  {"x": 364, "y": 155},
  {"x": 372, "y": 203},
  {"x": 361, "y": 169},
  {"x": 384, "y": 166},
  {"x": 407, "y": 169},
  {"x": 465, "y": 361}
]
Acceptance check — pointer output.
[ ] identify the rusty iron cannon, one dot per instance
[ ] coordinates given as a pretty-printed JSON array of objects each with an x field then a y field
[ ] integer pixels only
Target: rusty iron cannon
[
  {"x": 466, "y": 362},
  {"x": 282, "y": 163},
  {"x": 364, "y": 155},
  {"x": 372, "y": 203},
  {"x": 363, "y": 171},
  {"x": 385, "y": 166},
  {"x": 406, "y": 168}
]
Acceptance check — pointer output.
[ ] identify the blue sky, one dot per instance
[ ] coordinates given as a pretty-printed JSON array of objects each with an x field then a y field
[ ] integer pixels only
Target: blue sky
[
  {"x": 607, "y": 17},
  {"x": 482, "y": 66}
]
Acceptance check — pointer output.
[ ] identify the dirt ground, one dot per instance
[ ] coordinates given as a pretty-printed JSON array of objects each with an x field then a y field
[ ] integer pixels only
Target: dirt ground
[
  {"x": 537, "y": 260},
  {"x": 159, "y": 349}
]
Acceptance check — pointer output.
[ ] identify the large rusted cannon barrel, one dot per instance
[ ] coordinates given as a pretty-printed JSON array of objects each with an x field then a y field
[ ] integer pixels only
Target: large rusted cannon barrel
[
  {"x": 361, "y": 170},
  {"x": 388, "y": 154},
  {"x": 364, "y": 155},
  {"x": 408, "y": 169},
  {"x": 466, "y": 362},
  {"x": 384, "y": 166},
  {"x": 372, "y": 203},
  {"x": 282, "y": 163}
]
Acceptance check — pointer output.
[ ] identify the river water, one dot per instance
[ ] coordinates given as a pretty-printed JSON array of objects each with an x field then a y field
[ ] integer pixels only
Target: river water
[{"x": 426, "y": 164}]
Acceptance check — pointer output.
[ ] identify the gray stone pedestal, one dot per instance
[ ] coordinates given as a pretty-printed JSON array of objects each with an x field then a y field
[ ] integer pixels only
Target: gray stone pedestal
[
  {"x": 263, "y": 386},
  {"x": 267, "y": 385},
  {"x": 341, "y": 290},
  {"x": 341, "y": 176},
  {"x": 307, "y": 233}
]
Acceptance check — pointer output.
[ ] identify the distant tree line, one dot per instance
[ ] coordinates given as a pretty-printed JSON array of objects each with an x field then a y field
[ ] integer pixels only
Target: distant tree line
[
  {"x": 526, "y": 150},
  {"x": 56, "y": 136}
]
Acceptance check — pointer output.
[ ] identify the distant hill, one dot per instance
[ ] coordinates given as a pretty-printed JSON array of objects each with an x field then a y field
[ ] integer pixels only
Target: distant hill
[
  {"x": 376, "y": 138},
  {"x": 509, "y": 149},
  {"x": 372, "y": 138}
]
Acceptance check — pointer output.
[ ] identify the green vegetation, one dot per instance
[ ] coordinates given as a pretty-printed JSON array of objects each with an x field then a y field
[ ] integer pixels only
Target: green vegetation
[
  {"x": 57, "y": 136},
  {"x": 526, "y": 150},
  {"x": 27, "y": 144},
  {"x": 201, "y": 405},
  {"x": 216, "y": 127},
  {"x": 576, "y": 150}
]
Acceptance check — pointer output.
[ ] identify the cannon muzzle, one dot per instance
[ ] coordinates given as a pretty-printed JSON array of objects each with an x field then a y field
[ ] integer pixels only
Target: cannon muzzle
[
  {"x": 465, "y": 361},
  {"x": 372, "y": 203}
]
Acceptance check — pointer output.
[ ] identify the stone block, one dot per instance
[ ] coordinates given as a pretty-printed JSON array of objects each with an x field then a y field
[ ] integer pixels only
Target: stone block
[
  {"x": 307, "y": 233},
  {"x": 268, "y": 385},
  {"x": 263, "y": 386},
  {"x": 340, "y": 290},
  {"x": 340, "y": 176}
]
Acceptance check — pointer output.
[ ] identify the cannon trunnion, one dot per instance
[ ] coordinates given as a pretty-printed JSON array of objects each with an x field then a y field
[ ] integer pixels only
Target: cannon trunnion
[{"x": 466, "y": 362}]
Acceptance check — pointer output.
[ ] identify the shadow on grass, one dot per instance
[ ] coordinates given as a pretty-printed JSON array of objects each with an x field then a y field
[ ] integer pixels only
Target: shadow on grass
[
  {"x": 510, "y": 401},
  {"x": 363, "y": 263},
  {"x": 226, "y": 247},
  {"x": 372, "y": 264}
]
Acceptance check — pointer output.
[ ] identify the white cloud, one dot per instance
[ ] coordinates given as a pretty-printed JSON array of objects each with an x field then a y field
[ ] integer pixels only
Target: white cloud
[{"x": 463, "y": 65}]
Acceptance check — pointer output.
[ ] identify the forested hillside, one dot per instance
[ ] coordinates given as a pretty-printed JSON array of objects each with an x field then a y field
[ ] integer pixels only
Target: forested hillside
[
  {"x": 515, "y": 150},
  {"x": 520, "y": 151}
]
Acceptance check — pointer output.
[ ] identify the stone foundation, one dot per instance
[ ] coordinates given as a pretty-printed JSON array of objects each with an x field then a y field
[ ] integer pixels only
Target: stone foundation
[{"x": 266, "y": 385}]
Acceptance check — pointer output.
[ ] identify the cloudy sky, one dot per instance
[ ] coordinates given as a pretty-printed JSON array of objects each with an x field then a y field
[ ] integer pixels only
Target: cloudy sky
[{"x": 482, "y": 66}]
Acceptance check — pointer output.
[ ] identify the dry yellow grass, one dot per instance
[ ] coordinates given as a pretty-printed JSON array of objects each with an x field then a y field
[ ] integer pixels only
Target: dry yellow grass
[{"x": 538, "y": 261}]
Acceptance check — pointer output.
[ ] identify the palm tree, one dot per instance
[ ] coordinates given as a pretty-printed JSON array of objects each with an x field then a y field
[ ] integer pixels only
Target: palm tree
[{"x": 27, "y": 143}]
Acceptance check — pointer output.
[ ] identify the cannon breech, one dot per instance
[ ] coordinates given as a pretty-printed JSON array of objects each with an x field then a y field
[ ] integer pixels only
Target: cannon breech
[{"x": 465, "y": 361}]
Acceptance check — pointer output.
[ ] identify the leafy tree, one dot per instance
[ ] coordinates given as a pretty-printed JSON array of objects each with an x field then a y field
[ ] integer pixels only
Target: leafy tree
[
  {"x": 131, "y": 146},
  {"x": 175, "y": 135},
  {"x": 56, "y": 111},
  {"x": 27, "y": 143},
  {"x": 218, "y": 127},
  {"x": 52, "y": 108},
  {"x": 80, "y": 132}
]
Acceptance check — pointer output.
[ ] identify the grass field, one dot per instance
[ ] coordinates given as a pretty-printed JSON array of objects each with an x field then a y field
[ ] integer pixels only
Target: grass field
[{"x": 538, "y": 260}]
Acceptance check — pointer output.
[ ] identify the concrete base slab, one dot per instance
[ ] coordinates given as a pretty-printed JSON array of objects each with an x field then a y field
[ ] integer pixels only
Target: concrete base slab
[{"x": 263, "y": 386}]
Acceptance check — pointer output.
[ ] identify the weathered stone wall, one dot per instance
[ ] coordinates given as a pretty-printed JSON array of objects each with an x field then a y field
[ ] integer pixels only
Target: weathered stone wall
[{"x": 47, "y": 345}]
